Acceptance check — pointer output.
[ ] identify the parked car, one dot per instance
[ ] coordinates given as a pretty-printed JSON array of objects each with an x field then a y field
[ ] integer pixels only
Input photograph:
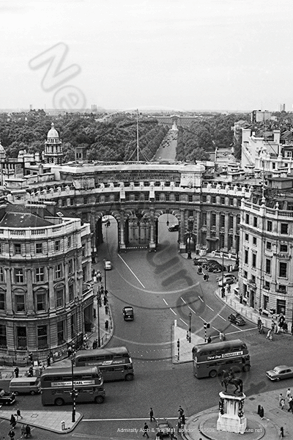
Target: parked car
[
  {"x": 236, "y": 319},
  {"x": 227, "y": 279},
  {"x": 173, "y": 228},
  {"x": 164, "y": 426},
  {"x": 200, "y": 261},
  {"x": 280, "y": 372},
  {"x": 6, "y": 398},
  {"x": 215, "y": 268},
  {"x": 107, "y": 265},
  {"x": 128, "y": 313}
]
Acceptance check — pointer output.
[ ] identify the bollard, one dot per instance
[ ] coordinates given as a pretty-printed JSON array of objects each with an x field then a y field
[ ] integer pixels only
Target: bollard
[{"x": 63, "y": 425}]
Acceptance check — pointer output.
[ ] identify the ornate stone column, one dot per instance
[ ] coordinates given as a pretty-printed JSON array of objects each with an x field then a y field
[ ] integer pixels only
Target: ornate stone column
[
  {"x": 182, "y": 230},
  {"x": 121, "y": 230}
]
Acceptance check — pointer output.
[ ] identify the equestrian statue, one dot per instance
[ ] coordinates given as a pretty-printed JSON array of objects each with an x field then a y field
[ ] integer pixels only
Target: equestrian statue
[{"x": 228, "y": 378}]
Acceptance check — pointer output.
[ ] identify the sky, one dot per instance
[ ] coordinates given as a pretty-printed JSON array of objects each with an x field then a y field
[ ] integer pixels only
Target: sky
[{"x": 180, "y": 55}]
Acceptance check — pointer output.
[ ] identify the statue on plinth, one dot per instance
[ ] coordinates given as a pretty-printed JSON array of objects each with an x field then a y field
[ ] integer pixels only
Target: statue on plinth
[{"x": 228, "y": 378}]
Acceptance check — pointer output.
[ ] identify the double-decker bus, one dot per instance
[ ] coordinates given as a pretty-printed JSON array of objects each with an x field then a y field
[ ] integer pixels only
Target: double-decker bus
[
  {"x": 113, "y": 363},
  {"x": 209, "y": 360},
  {"x": 57, "y": 385}
]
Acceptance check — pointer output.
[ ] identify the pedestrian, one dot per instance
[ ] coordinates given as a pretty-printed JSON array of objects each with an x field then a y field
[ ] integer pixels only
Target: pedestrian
[
  {"x": 27, "y": 431},
  {"x": 18, "y": 414},
  {"x": 12, "y": 421},
  {"x": 105, "y": 300},
  {"x": 209, "y": 340},
  {"x": 290, "y": 404},
  {"x": 288, "y": 394},
  {"x": 159, "y": 435},
  {"x": 30, "y": 371},
  {"x": 30, "y": 357},
  {"x": 181, "y": 411},
  {"x": 280, "y": 398},
  {"x": 16, "y": 371},
  {"x": 269, "y": 335},
  {"x": 145, "y": 430},
  {"x": 282, "y": 403},
  {"x": 281, "y": 435},
  {"x": 95, "y": 344},
  {"x": 152, "y": 418},
  {"x": 11, "y": 433},
  {"x": 172, "y": 433},
  {"x": 48, "y": 360}
]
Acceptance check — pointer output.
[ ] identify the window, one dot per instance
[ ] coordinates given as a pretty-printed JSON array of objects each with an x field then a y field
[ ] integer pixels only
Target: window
[
  {"x": 222, "y": 200},
  {"x": 245, "y": 274},
  {"x": 254, "y": 241},
  {"x": 282, "y": 288},
  {"x": 71, "y": 292},
  {"x": 247, "y": 219},
  {"x": 269, "y": 226},
  {"x": 21, "y": 338},
  {"x": 231, "y": 201},
  {"x": 204, "y": 219},
  {"x": 39, "y": 248},
  {"x": 268, "y": 266},
  {"x": 222, "y": 221},
  {"x": 58, "y": 271},
  {"x": 267, "y": 285},
  {"x": 18, "y": 275},
  {"x": 253, "y": 279},
  {"x": 265, "y": 302},
  {"x": 19, "y": 303},
  {"x": 70, "y": 266},
  {"x": 60, "y": 332},
  {"x": 213, "y": 219},
  {"x": 231, "y": 218},
  {"x": 40, "y": 302},
  {"x": 246, "y": 237},
  {"x": 284, "y": 228},
  {"x": 40, "y": 274},
  {"x": 3, "y": 340},
  {"x": 282, "y": 270},
  {"x": 17, "y": 248},
  {"x": 2, "y": 301},
  {"x": 59, "y": 297},
  {"x": 214, "y": 199},
  {"x": 204, "y": 199},
  {"x": 281, "y": 306},
  {"x": 269, "y": 245},
  {"x": 2, "y": 275},
  {"x": 255, "y": 222},
  {"x": 57, "y": 245},
  {"x": 283, "y": 248},
  {"x": 253, "y": 260},
  {"x": 42, "y": 336},
  {"x": 69, "y": 241},
  {"x": 246, "y": 256}
]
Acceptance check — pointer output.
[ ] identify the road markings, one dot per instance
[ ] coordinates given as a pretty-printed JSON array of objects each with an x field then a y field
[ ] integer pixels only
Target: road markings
[
  {"x": 173, "y": 311},
  {"x": 183, "y": 321},
  {"x": 209, "y": 307},
  {"x": 224, "y": 319},
  {"x": 192, "y": 310},
  {"x": 165, "y": 302},
  {"x": 131, "y": 271}
]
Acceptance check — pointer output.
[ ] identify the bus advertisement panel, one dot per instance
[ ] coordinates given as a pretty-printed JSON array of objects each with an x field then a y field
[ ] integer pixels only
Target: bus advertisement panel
[
  {"x": 209, "y": 360},
  {"x": 113, "y": 363},
  {"x": 57, "y": 385}
]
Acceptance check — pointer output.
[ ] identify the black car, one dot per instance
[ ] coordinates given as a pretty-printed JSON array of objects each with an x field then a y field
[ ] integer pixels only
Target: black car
[
  {"x": 200, "y": 261},
  {"x": 128, "y": 313},
  {"x": 236, "y": 319},
  {"x": 173, "y": 228},
  {"x": 6, "y": 398},
  {"x": 216, "y": 268}
]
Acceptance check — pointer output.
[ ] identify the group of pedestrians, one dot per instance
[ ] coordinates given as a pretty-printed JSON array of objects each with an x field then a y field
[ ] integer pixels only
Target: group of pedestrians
[
  {"x": 25, "y": 430},
  {"x": 289, "y": 398},
  {"x": 160, "y": 434}
]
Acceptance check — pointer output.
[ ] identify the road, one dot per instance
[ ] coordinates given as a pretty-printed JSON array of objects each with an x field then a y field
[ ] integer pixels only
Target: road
[
  {"x": 161, "y": 287},
  {"x": 167, "y": 149}
]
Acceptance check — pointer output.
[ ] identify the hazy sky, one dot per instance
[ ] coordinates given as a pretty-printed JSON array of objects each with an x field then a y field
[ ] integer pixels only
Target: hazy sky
[{"x": 172, "y": 54}]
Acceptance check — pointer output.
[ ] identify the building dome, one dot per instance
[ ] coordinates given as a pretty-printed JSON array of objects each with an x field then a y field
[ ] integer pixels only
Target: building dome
[{"x": 52, "y": 133}]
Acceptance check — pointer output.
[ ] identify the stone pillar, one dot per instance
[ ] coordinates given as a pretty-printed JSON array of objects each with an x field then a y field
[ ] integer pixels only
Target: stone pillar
[
  {"x": 121, "y": 229},
  {"x": 152, "y": 244},
  {"x": 182, "y": 230},
  {"x": 30, "y": 297},
  {"x": 234, "y": 232},
  {"x": 199, "y": 225},
  {"x": 226, "y": 237},
  {"x": 9, "y": 282}
]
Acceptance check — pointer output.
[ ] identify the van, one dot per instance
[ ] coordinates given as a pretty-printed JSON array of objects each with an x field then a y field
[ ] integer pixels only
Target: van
[{"x": 25, "y": 385}]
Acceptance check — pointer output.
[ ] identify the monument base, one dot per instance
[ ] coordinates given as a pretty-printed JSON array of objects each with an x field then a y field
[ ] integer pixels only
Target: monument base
[{"x": 229, "y": 424}]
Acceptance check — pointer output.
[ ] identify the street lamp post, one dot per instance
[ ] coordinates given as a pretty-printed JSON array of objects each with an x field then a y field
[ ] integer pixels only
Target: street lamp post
[
  {"x": 73, "y": 390},
  {"x": 98, "y": 309},
  {"x": 190, "y": 315}
]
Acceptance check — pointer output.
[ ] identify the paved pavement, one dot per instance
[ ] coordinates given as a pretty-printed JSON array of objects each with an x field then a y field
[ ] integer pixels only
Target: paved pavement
[{"x": 204, "y": 424}]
